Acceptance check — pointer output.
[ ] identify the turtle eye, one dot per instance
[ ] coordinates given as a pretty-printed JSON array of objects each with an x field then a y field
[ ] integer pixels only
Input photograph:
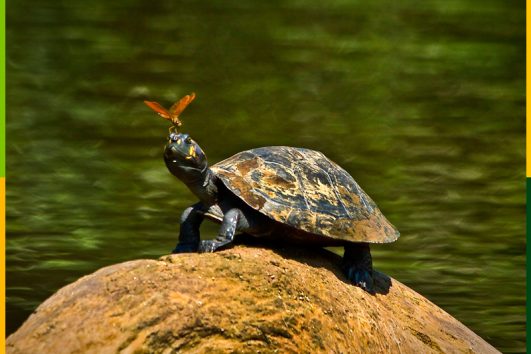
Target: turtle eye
[
  {"x": 188, "y": 140},
  {"x": 172, "y": 137}
]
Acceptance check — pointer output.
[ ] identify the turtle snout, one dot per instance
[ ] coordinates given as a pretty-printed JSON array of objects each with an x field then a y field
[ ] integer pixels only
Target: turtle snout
[{"x": 172, "y": 152}]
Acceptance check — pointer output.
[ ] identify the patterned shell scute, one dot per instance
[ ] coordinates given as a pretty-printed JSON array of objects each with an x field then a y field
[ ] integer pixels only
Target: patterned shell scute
[{"x": 304, "y": 189}]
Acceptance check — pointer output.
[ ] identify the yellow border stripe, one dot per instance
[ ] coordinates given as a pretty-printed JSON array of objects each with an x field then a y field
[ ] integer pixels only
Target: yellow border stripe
[
  {"x": 527, "y": 89},
  {"x": 528, "y": 167},
  {"x": 2, "y": 264},
  {"x": 2, "y": 89},
  {"x": 2, "y": 177}
]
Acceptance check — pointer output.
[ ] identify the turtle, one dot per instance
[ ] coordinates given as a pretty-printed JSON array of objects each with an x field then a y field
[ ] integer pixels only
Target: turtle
[{"x": 288, "y": 194}]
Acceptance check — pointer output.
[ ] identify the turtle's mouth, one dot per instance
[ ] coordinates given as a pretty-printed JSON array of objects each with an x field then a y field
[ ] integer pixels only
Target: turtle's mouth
[
  {"x": 184, "y": 157},
  {"x": 174, "y": 153}
]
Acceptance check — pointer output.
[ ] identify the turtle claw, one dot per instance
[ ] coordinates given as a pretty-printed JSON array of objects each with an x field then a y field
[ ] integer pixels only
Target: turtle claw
[
  {"x": 361, "y": 278},
  {"x": 209, "y": 246},
  {"x": 357, "y": 266}
]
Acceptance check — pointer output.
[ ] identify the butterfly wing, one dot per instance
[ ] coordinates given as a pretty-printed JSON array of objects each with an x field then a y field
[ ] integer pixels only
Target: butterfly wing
[
  {"x": 179, "y": 106},
  {"x": 161, "y": 111}
]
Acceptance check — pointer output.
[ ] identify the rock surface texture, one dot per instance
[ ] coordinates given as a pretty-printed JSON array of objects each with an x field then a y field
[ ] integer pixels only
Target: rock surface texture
[{"x": 241, "y": 300}]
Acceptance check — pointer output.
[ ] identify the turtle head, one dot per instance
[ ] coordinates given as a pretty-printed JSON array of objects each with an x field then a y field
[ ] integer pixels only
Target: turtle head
[{"x": 184, "y": 158}]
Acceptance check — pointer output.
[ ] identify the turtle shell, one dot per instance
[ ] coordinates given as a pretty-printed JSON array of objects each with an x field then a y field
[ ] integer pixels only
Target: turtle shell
[{"x": 304, "y": 189}]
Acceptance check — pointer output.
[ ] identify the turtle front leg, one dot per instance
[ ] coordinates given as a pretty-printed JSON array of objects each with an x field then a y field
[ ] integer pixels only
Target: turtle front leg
[
  {"x": 189, "y": 236},
  {"x": 233, "y": 220},
  {"x": 357, "y": 265}
]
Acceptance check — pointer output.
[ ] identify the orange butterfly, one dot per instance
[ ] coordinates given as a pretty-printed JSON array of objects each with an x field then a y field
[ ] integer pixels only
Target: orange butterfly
[{"x": 175, "y": 110}]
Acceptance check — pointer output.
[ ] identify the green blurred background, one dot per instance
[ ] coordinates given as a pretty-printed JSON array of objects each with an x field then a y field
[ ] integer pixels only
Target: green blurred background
[{"x": 422, "y": 102}]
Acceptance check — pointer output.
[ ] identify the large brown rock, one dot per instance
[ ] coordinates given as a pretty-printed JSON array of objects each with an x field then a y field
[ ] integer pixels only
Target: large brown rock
[{"x": 242, "y": 300}]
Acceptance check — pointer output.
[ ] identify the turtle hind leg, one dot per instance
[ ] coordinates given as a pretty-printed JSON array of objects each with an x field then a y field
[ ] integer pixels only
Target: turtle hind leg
[{"x": 357, "y": 266}]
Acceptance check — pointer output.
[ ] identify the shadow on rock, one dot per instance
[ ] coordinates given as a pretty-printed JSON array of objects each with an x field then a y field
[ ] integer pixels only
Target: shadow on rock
[{"x": 316, "y": 257}]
